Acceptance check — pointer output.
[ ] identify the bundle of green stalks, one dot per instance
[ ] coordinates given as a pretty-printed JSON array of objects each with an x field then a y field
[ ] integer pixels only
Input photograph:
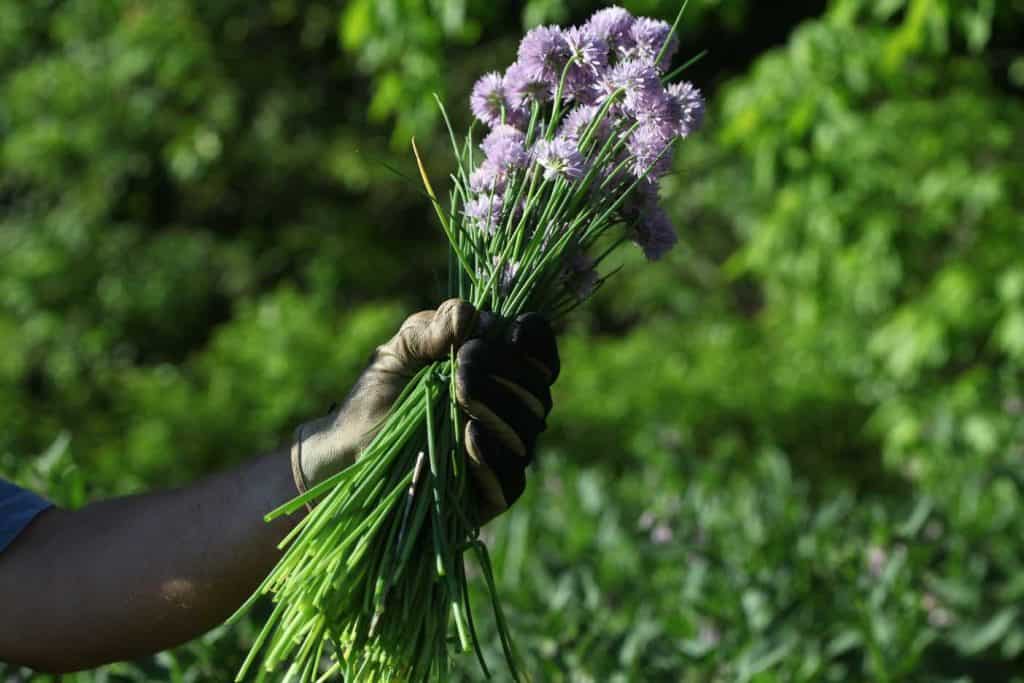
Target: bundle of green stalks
[
  {"x": 373, "y": 583},
  {"x": 381, "y": 554}
]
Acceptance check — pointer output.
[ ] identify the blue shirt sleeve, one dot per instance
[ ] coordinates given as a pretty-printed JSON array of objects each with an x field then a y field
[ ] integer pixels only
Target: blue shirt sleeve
[{"x": 18, "y": 507}]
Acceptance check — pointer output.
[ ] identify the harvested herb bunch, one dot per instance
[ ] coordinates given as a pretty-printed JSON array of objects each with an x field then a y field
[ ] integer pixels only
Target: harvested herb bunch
[{"x": 580, "y": 130}]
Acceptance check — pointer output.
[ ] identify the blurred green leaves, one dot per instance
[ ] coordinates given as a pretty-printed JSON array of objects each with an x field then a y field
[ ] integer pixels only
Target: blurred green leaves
[
  {"x": 792, "y": 452},
  {"x": 403, "y": 44}
]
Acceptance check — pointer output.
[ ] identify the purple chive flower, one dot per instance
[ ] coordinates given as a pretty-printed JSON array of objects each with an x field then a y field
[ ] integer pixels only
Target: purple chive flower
[
  {"x": 654, "y": 233},
  {"x": 559, "y": 157},
  {"x": 652, "y": 106},
  {"x": 582, "y": 277},
  {"x": 508, "y": 276},
  {"x": 589, "y": 55},
  {"x": 613, "y": 180},
  {"x": 650, "y": 151},
  {"x": 649, "y": 35},
  {"x": 487, "y": 179},
  {"x": 505, "y": 147},
  {"x": 616, "y": 177},
  {"x": 543, "y": 53},
  {"x": 645, "y": 196},
  {"x": 639, "y": 81},
  {"x": 588, "y": 49},
  {"x": 523, "y": 87},
  {"x": 488, "y": 99},
  {"x": 575, "y": 124},
  {"x": 507, "y": 273},
  {"x": 645, "y": 99},
  {"x": 484, "y": 213},
  {"x": 612, "y": 25},
  {"x": 687, "y": 104},
  {"x": 551, "y": 231}
]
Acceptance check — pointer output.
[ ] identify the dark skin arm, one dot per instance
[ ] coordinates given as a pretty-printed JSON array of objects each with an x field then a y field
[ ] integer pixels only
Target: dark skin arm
[{"x": 125, "y": 577}]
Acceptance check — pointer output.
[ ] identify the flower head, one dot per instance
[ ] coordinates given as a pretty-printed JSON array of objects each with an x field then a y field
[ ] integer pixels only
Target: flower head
[
  {"x": 587, "y": 48},
  {"x": 614, "y": 179},
  {"x": 654, "y": 233},
  {"x": 559, "y": 157},
  {"x": 649, "y": 35},
  {"x": 523, "y": 86},
  {"x": 652, "y": 106},
  {"x": 581, "y": 275},
  {"x": 507, "y": 271},
  {"x": 612, "y": 25},
  {"x": 638, "y": 80},
  {"x": 483, "y": 213},
  {"x": 543, "y": 53},
  {"x": 505, "y": 147},
  {"x": 650, "y": 151},
  {"x": 507, "y": 279},
  {"x": 589, "y": 55},
  {"x": 488, "y": 99},
  {"x": 687, "y": 104},
  {"x": 576, "y": 122},
  {"x": 488, "y": 179}
]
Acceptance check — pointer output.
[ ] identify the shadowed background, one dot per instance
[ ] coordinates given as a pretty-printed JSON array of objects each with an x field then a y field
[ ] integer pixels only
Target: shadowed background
[{"x": 792, "y": 451}]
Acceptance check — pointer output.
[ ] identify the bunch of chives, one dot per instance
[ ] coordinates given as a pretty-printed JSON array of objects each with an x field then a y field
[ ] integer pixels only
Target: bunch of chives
[{"x": 372, "y": 585}]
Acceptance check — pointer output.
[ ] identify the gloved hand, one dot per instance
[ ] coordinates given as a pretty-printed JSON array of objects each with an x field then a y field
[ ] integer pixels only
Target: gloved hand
[{"x": 503, "y": 384}]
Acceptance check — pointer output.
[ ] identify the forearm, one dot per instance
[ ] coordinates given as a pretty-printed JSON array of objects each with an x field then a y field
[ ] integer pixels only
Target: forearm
[{"x": 129, "y": 576}]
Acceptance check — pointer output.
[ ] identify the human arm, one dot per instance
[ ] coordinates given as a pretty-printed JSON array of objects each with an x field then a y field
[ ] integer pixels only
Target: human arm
[{"x": 129, "y": 576}]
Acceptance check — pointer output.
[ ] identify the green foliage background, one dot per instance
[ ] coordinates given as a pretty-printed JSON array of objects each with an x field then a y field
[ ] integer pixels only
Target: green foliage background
[{"x": 794, "y": 451}]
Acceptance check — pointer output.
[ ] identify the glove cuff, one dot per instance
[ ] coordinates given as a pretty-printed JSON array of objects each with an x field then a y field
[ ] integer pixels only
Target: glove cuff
[{"x": 296, "y": 455}]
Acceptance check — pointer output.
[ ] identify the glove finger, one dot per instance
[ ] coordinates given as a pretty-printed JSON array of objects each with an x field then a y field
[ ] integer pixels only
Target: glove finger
[
  {"x": 509, "y": 367},
  {"x": 429, "y": 335},
  {"x": 500, "y": 410},
  {"x": 499, "y": 475},
  {"x": 487, "y": 324},
  {"x": 531, "y": 334}
]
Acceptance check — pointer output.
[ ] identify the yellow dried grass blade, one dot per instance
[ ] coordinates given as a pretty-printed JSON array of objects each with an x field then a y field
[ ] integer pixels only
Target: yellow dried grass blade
[{"x": 437, "y": 207}]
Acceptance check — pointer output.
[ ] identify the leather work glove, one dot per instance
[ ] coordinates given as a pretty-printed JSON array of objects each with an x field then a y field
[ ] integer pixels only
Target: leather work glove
[{"x": 503, "y": 384}]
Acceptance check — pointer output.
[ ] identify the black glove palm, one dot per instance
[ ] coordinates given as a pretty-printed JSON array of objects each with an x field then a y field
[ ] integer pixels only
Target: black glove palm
[{"x": 503, "y": 382}]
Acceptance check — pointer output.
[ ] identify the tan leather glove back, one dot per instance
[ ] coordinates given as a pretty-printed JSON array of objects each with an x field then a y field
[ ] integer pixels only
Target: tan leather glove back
[
  {"x": 327, "y": 445},
  {"x": 502, "y": 384}
]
